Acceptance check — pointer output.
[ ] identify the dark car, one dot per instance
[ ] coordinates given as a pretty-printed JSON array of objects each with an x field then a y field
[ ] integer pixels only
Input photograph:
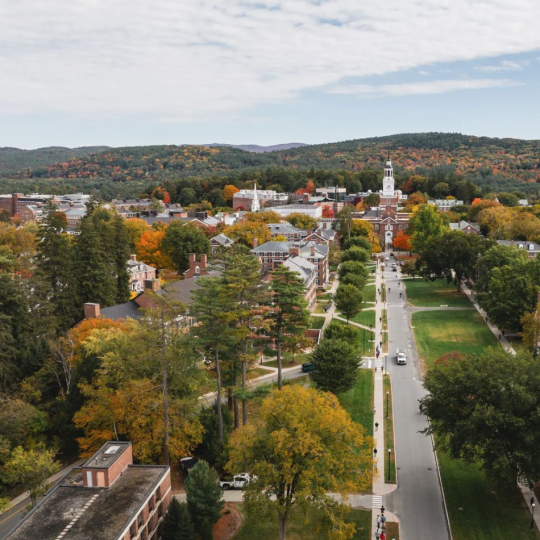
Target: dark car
[
  {"x": 307, "y": 367},
  {"x": 188, "y": 463},
  {"x": 391, "y": 254}
]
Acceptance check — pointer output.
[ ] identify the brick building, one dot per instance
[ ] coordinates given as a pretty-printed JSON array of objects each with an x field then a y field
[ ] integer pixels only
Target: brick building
[
  {"x": 139, "y": 272},
  {"x": 108, "y": 498},
  {"x": 386, "y": 219}
]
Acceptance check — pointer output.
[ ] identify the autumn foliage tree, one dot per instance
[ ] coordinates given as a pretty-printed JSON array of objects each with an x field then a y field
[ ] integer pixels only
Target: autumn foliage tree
[
  {"x": 150, "y": 250},
  {"x": 327, "y": 212},
  {"x": 402, "y": 241},
  {"x": 305, "y": 447},
  {"x": 229, "y": 191}
]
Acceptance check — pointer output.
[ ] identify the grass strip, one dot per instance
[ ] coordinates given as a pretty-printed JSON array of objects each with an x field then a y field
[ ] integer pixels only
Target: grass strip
[{"x": 389, "y": 430}]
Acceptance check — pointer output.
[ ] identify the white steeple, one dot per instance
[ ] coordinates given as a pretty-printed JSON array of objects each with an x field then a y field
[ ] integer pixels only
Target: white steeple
[
  {"x": 255, "y": 206},
  {"x": 388, "y": 180}
]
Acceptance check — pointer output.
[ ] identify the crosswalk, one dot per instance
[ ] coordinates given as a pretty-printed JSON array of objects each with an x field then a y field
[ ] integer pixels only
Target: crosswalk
[
  {"x": 395, "y": 305},
  {"x": 377, "y": 501}
]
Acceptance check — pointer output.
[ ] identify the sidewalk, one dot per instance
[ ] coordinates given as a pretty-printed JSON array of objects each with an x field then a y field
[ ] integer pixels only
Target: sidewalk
[{"x": 496, "y": 332}]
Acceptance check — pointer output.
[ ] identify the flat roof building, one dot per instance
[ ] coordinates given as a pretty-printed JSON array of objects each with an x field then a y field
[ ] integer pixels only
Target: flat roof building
[{"x": 108, "y": 498}]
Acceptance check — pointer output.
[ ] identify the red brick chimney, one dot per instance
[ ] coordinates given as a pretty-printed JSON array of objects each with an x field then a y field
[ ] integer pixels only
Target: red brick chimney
[
  {"x": 305, "y": 198},
  {"x": 91, "y": 311},
  {"x": 196, "y": 268},
  {"x": 152, "y": 285},
  {"x": 294, "y": 250},
  {"x": 255, "y": 242},
  {"x": 313, "y": 250}
]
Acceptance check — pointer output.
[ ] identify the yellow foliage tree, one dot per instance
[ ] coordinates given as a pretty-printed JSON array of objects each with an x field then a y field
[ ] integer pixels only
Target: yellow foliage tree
[
  {"x": 247, "y": 231},
  {"x": 228, "y": 191},
  {"x": 305, "y": 447},
  {"x": 136, "y": 228}
]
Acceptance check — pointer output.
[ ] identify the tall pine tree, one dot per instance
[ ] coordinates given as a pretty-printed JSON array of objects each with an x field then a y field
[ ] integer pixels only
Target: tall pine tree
[{"x": 55, "y": 264}]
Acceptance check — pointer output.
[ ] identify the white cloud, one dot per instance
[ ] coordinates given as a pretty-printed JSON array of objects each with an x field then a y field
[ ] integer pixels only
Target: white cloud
[
  {"x": 506, "y": 65},
  {"x": 195, "y": 59},
  {"x": 423, "y": 87}
]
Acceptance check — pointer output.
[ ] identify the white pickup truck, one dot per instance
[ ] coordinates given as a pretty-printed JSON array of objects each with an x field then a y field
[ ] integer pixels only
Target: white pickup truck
[
  {"x": 238, "y": 481},
  {"x": 401, "y": 357}
]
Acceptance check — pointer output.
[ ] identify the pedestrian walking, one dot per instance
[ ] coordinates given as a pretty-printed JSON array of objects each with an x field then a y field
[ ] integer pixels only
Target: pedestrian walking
[
  {"x": 381, "y": 344},
  {"x": 382, "y": 536},
  {"x": 380, "y": 319},
  {"x": 376, "y": 426},
  {"x": 374, "y": 410},
  {"x": 377, "y": 535},
  {"x": 389, "y": 289}
]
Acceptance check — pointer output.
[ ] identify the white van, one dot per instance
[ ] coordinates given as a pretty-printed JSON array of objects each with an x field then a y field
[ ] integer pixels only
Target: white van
[{"x": 401, "y": 357}]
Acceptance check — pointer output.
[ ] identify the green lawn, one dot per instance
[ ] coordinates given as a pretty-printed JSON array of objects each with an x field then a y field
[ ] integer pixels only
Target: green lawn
[
  {"x": 439, "y": 332},
  {"x": 358, "y": 401},
  {"x": 422, "y": 293},
  {"x": 389, "y": 432},
  {"x": 369, "y": 293},
  {"x": 301, "y": 526},
  {"x": 286, "y": 360},
  {"x": 364, "y": 317},
  {"x": 477, "y": 510},
  {"x": 317, "y": 323},
  {"x": 517, "y": 344}
]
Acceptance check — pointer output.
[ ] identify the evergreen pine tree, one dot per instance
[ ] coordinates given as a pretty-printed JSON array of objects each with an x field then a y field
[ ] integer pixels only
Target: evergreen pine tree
[
  {"x": 55, "y": 260},
  {"x": 96, "y": 273},
  {"x": 121, "y": 252},
  {"x": 186, "y": 530},
  {"x": 171, "y": 521},
  {"x": 206, "y": 530},
  {"x": 204, "y": 496}
]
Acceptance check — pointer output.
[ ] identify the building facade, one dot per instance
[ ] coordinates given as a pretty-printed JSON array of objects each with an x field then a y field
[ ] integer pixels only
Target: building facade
[
  {"x": 386, "y": 219},
  {"x": 108, "y": 497}
]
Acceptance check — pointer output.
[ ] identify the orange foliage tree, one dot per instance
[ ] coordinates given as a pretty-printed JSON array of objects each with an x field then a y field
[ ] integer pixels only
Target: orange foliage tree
[
  {"x": 327, "y": 212},
  {"x": 150, "y": 251},
  {"x": 136, "y": 228},
  {"x": 228, "y": 191},
  {"x": 402, "y": 241}
]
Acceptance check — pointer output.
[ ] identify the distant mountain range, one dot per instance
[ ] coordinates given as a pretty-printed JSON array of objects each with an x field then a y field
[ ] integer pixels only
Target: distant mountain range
[{"x": 257, "y": 149}]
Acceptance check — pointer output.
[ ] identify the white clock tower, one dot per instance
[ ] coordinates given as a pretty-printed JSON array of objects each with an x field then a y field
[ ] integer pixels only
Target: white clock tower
[{"x": 388, "y": 180}]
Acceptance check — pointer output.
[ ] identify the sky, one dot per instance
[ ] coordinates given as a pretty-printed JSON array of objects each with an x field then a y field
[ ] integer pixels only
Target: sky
[{"x": 138, "y": 72}]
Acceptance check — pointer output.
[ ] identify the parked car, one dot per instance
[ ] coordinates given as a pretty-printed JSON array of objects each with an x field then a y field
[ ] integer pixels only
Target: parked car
[
  {"x": 238, "y": 481},
  {"x": 391, "y": 254},
  {"x": 387, "y": 258},
  {"x": 394, "y": 268},
  {"x": 307, "y": 367},
  {"x": 188, "y": 463}
]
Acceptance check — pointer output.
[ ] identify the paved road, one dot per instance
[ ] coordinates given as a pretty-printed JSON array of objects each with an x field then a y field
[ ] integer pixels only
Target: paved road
[
  {"x": 418, "y": 499},
  {"x": 11, "y": 517}
]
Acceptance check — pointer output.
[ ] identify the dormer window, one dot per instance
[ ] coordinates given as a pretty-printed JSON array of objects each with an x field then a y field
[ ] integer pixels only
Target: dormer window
[{"x": 531, "y": 247}]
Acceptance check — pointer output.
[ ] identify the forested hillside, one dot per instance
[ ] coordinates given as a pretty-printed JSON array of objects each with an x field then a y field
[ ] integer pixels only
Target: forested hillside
[{"x": 493, "y": 164}]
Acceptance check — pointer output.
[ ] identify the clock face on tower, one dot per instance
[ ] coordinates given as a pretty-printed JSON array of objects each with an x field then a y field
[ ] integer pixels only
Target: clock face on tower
[{"x": 388, "y": 187}]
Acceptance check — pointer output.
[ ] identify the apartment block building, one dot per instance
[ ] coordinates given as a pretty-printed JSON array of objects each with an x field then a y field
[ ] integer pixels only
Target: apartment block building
[{"x": 108, "y": 498}]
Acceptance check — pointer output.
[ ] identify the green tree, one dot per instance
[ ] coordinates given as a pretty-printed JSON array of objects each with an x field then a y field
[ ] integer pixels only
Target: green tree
[
  {"x": 187, "y": 196},
  {"x": 177, "y": 524},
  {"x": 203, "y": 494},
  {"x": 484, "y": 408},
  {"x": 305, "y": 447},
  {"x": 344, "y": 332},
  {"x": 358, "y": 280},
  {"x": 355, "y": 253},
  {"x": 288, "y": 315},
  {"x": 55, "y": 260},
  {"x": 453, "y": 256},
  {"x": 352, "y": 267},
  {"x": 348, "y": 300},
  {"x": 212, "y": 448},
  {"x": 513, "y": 291},
  {"x": 497, "y": 256},
  {"x": 441, "y": 190},
  {"x": 30, "y": 469},
  {"x": 336, "y": 365},
  {"x": 357, "y": 241},
  {"x": 214, "y": 310},
  {"x": 508, "y": 199},
  {"x": 182, "y": 239},
  {"x": 344, "y": 222},
  {"x": 425, "y": 224}
]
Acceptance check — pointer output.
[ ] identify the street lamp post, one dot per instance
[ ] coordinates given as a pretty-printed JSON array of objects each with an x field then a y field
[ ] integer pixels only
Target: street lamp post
[
  {"x": 389, "y": 452},
  {"x": 532, "y": 514},
  {"x": 387, "y": 397}
]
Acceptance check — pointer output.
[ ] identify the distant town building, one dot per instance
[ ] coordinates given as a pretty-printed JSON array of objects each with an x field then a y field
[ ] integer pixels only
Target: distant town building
[
  {"x": 466, "y": 227},
  {"x": 523, "y": 202},
  {"x": 386, "y": 219},
  {"x": 445, "y": 205},
  {"x": 532, "y": 248},
  {"x": 332, "y": 192},
  {"x": 220, "y": 241},
  {"x": 311, "y": 210},
  {"x": 272, "y": 254},
  {"x": 308, "y": 272},
  {"x": 288, "y": 231},
  {"x": 108, "y": 498},
  {"x": 139, "y": 272},
  {"x": 245, "y": 198}
]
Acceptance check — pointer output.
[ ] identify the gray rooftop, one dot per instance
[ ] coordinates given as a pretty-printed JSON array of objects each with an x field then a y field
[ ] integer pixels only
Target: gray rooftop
[
  {"x": 92, "y": 512},
  {"x": 128, "y": 310},
  {"x": 107, "y": 454}
]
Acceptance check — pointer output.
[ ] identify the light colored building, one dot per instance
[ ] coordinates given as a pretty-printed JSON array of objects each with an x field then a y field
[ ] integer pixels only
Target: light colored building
[
  {"x": 466, "y": 227},
  {"x": 139, "y": 272},
  {"x": 308, "y": 272},
  {"x": 246, "y": 198},
  {"x": 220, "y": 241},
  {"x": 445, "y": 205},
  {"x": 309, "y": 210},
  {"x": 288, "y": 231}
]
